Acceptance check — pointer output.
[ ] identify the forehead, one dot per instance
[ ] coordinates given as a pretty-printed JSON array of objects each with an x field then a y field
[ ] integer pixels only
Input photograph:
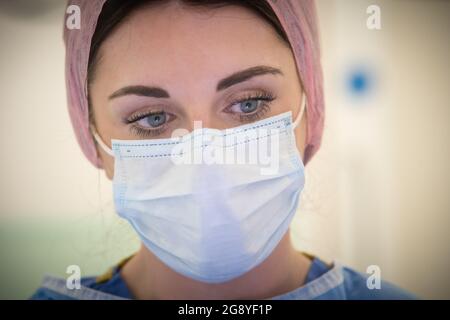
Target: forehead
[{"x": 174, "y": 40}]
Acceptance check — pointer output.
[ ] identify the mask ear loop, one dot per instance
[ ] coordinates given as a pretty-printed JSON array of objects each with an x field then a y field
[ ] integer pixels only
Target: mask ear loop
[
  {"x": 300, "y": 115},
  {"x": 99, "y": 140}
]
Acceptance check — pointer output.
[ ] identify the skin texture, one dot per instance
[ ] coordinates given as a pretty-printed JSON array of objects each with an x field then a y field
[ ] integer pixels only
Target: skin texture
[{"x": 187, "y": 51}]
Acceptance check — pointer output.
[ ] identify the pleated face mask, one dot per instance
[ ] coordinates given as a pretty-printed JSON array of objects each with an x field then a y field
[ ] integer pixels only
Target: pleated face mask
[{"x": 211, "y": 204}]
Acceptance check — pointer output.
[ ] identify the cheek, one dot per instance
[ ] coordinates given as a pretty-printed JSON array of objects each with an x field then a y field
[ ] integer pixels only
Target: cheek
[{"x": 300, "y": 135}]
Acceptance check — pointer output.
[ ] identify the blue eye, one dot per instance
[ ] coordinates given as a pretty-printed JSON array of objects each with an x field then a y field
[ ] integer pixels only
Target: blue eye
[
  {"x": 251, "y": 103},
  {"x": 149, "y": 123},
  {"x": 153, "y": 120},
  {"x": 248, "y": 106},
  {"x": 252, "y": 107}
]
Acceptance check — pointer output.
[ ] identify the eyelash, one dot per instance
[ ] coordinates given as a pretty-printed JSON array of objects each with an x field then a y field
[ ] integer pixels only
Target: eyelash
[
  {"x": 142, "y": 132},
  {"x": 265, "y": 98}
]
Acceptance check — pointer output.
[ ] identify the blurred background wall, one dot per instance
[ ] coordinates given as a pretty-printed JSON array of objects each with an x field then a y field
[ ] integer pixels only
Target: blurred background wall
[{"x": 377, "y": 192}]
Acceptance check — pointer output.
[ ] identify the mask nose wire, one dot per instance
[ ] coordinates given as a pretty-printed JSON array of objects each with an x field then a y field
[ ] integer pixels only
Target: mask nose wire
[{"x": 300, "y": 114}]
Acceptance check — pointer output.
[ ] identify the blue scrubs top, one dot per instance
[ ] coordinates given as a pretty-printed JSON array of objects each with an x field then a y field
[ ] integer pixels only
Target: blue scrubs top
[{"x": 323, "y": 282}]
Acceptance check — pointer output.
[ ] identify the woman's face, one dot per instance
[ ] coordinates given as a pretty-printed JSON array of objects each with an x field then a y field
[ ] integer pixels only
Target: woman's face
[{"x": 168, "y": 66}]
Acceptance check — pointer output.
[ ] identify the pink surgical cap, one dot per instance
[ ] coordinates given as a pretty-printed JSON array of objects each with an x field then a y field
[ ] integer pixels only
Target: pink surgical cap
[{"x": 298, "y": 18}]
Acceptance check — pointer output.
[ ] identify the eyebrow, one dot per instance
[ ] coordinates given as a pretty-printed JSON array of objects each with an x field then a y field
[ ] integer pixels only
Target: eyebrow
[
  {"x": 245, "y": 75},
  {"x": 140, "y": 91},
  {"x": 235, "y": 78}
]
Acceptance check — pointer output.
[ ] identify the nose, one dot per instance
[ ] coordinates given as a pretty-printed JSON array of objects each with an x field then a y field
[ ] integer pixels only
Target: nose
[{"x": 205, "y": 120}]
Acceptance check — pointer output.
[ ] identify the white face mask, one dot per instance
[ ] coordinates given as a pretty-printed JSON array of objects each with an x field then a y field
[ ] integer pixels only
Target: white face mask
[{"x": 211, "y": 222}]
